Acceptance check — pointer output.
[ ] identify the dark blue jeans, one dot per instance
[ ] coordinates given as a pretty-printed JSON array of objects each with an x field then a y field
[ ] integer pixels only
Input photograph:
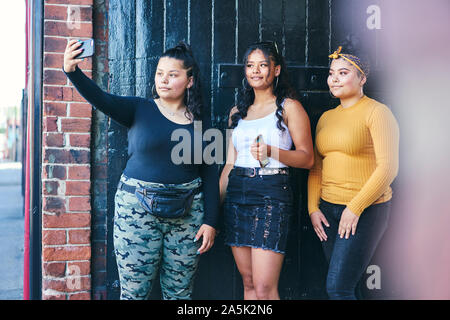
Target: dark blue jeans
[{"x": 349, "y": 258}]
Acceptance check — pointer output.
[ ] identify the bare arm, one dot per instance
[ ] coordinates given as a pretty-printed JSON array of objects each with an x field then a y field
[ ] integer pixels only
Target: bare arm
[
  {"x": 297, "y": 121},
  {"x": 231, "y": 158}
]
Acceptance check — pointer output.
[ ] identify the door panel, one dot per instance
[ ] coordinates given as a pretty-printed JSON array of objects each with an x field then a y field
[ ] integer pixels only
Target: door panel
[{"x": 219, "y": 31}]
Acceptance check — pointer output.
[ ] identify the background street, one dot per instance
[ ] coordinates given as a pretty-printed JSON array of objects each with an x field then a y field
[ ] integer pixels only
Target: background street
[{"x": 12, "y": 236}]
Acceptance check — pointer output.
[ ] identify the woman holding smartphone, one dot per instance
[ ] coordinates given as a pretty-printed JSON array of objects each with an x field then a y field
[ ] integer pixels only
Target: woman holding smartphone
[
  {"x": 254, "y": 182},
  {"x": 356, "y": 160},
  {"x": 162, "y": 209}
]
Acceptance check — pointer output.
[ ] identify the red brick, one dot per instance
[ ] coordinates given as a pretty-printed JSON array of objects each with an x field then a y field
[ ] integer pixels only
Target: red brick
[
  {"x": 76, "y": 96},
  {"x": 75, "y": 125},
  {"x": 54, "y": 77},
  {"x": 79, "y": 173},
  {"x": 78, "y": 188},
  {"x": 71, "y": 284},
  {"x": 55, "y": 172},
  {"x": 59, "y": 296},
  {"x": 57, "y": 156},
  {"x": 55, "y": 109},
  {"x": 81, "y": 14},
  {"x": 80, "y": 296},
  {"x": 81, "y": 267},
  {"x": 54, "y": 44},
  {"x": 66, "y": 253},
  {"x": 53, "y": 60},
  {"x": 62, "y": 29},
  {"x": 78, "y": 284},
  {"x": 79, "y": 204},
  {"x": 66, "y": 156},
  {"x": 54, "y": 204},
  {"x": 55, "y": 269},
  {"x": 56, "y": 285},
  {"x": 67, "y": 220},
  {"x": 54, "y": 93},
  {"x": 79, "y": 236},
  {"x": 71, "y": 94},
  {"x": 51, "y": 187},
  {"x": 55, "y": 12},
  {"x": 80, "y": 140},
  {"x": 53, "y": 237},
  {"x": 81, "y": 110},
  {"x": 57, "y": 90},
  {"x": 54, "y": 140},
  {"x": 50, "y": 124},
  {"x": 67, "y": 93},
  {"x": 71, "y": 2}
]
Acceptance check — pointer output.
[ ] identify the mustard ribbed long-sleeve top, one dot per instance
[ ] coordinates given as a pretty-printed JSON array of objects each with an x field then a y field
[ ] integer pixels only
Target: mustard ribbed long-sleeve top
[{"x": 355, "y": 156}]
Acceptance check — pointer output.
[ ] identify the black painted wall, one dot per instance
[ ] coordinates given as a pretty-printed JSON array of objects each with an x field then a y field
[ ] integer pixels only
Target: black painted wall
[{"x": 219, "y": 31}]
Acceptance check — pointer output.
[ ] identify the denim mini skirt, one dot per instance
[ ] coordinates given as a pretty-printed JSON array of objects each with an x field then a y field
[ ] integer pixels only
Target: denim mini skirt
[{"x": 257, "y": 211}]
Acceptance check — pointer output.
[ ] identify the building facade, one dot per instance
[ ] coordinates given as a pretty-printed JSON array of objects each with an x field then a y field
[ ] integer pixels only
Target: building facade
[{"x": 76, "y": 154}]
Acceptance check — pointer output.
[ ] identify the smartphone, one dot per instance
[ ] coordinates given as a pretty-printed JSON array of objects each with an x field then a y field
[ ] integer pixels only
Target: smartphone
[
  {"x": 258, "y": 140},
  {"x": 88, "y": 46}
]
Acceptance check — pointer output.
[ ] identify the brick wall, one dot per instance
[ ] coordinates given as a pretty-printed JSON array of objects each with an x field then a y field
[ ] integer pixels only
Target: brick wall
[{"x": 66, "y": 168}]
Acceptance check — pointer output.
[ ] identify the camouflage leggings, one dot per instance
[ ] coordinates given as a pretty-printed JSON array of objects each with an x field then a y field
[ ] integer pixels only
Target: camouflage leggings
[{"x": 144, "y": 243}]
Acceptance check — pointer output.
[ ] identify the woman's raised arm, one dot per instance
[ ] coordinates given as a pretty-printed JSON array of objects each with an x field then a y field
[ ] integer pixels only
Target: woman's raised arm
[{"x": 120, "y": 108}]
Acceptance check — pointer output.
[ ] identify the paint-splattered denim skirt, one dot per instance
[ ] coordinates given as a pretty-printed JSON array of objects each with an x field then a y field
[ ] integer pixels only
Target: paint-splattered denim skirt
[{"x": 257, "y": 211}]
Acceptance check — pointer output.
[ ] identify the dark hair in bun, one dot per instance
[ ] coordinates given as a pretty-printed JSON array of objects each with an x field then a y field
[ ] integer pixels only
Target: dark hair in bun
[{"x": 193, "y": 97}]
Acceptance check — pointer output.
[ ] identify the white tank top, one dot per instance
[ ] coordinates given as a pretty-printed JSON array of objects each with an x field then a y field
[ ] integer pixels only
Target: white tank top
[{"x": 246, "y": 132}]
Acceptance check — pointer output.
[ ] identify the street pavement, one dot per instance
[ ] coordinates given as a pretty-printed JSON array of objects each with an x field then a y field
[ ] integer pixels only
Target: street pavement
[{"x": 12, "y": 232}]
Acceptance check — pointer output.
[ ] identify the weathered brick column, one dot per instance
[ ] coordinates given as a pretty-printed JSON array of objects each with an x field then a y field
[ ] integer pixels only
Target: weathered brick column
[{"x": 66, "y": 170}]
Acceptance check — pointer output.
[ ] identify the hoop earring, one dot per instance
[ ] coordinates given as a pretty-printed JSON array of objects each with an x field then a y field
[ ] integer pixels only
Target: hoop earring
[
  {"x": 154, "y": 93},
  {"x": 188, "y": 97}
]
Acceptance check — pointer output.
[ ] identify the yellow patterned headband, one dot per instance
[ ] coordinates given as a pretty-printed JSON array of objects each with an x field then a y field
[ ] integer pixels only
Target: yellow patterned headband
[{"x": 354, "y": 60}]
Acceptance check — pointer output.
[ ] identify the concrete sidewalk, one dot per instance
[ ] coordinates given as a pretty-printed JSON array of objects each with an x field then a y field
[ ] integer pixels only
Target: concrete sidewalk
[{"x": 12, "y": 235}]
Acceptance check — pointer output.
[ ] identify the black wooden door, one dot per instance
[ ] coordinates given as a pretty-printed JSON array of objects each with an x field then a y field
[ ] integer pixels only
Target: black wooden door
[{"x": 219, "y": 31}]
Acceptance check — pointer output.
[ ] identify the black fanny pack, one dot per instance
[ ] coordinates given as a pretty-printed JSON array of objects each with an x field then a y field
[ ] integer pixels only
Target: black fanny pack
[{"x": 163, "y": 202}]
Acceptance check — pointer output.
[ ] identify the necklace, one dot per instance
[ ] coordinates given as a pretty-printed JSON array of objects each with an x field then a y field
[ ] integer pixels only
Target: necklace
[{"x": 168, "y": 110}]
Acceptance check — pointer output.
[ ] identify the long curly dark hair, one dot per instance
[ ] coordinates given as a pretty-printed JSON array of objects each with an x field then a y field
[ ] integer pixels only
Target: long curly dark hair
[
  {"x": 282, "y": 88},
  {"x": 193, "y": 96}
]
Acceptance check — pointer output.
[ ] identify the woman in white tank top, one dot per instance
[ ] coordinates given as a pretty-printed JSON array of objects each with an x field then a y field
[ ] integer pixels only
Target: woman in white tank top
[{"x": 271, "y": 133}]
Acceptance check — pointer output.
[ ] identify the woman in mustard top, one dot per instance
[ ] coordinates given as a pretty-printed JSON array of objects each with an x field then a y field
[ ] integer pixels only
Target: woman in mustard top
[{"x": 355, "y": 161}]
